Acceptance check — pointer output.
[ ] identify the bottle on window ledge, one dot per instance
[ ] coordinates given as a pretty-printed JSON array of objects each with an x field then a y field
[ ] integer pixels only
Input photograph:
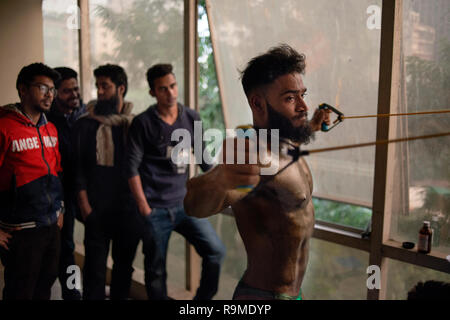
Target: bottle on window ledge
[{"x": 425, "y": 238}]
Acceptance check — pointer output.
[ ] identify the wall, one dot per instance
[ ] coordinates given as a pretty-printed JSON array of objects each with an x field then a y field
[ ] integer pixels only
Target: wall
[{"x": 21, "y": 39}]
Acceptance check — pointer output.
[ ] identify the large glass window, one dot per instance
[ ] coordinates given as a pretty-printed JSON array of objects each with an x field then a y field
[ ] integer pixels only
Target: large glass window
[
  {"x": 421, "y": 176},
  {"x": 402, "y": 277},
  {"x": 342, "y": 55},
  {"x": 137, "y": 34},
  {"x": 60, "y": 33},
  {"x": 61, "y": 48},
  {"x": 335, "y": 272},
  {"x": 236, "y": 258},
  {"x": 210, "y": 106}
]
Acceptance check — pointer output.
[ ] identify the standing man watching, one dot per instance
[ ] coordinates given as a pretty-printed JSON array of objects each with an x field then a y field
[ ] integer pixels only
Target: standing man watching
[
  {"x": 158, "y": 185},
  {"x": 106, "y": 205},
  {"x": 30, "y": 189},
  {"x": 276, "y": 219},
  {"x": 66, "y": 109}
]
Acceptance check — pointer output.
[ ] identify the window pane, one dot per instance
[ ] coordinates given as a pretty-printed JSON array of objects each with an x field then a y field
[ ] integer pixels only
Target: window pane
[
  {"x": 335, "y": 272},
  {"x": 341, "y": 213},
  {"x": 209, "y": 100},
  {"x": 235, "y": 261},
  {"x": 402, "y": 277},
  {"x": 60, "y": 33},
  {"x": 137, "y": 34},
  {"x": 421, "y": 178},
  {"x": 61, "y": 49},
  {"x": 341, "y": 41}
]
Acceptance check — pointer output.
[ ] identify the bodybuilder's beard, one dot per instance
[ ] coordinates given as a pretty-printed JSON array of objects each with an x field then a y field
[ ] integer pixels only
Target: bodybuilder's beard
[
  {"x": 107, "y": 107},
  {"x": 301, "y": 134}
]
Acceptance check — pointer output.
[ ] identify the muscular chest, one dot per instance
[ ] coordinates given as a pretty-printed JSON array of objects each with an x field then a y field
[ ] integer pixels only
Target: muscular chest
[
  {"x": 282, "y": 204},
  {"x": 292, "y": 188}
]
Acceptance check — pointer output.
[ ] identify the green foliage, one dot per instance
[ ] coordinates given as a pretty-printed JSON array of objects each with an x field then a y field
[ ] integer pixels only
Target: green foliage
[
  {"x": 143, "y": 31},
  {"x": 210, "y": 104},
  {"x": 341, "y": 213},
  {"x": 147, "y": 32}
]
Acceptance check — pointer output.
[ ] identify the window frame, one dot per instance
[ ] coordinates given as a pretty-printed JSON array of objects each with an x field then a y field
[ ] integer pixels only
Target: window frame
[{"x": 378, "y": 243}]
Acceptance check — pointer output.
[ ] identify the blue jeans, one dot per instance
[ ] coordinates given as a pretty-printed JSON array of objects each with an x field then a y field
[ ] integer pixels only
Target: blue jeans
[{"x": 201, "y": 235}]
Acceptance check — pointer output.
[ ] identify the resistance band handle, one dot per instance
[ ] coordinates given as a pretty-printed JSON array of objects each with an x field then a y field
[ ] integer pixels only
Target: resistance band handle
[
  {"x": 324, "y": 127},
  {"x": 324, "y": 106}
]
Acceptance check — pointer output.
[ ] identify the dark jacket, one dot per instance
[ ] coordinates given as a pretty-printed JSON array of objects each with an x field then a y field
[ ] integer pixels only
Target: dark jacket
[
  {"x": 64, "y": 124},
  {"x": 148, "y": 140},
  {"x": 107, "y": 187},
  {"x": 30, "y": 189}
]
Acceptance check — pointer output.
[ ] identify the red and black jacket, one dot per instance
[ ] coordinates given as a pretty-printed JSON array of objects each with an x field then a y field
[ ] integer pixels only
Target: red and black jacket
[{"x": 30, "y": 188}]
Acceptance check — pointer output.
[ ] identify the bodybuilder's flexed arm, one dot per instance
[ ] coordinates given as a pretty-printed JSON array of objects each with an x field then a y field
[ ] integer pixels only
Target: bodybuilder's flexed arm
[{"x": 215, "y": 190}]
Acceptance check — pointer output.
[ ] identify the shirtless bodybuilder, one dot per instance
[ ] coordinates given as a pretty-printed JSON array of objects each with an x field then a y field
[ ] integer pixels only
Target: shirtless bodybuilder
[{"x": 276, "y": 219}]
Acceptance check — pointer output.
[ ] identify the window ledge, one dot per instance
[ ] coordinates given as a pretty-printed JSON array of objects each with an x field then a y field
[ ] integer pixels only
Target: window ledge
[
  {"x": 342, "y": 237},
  {"x": 434, "y": 260}
]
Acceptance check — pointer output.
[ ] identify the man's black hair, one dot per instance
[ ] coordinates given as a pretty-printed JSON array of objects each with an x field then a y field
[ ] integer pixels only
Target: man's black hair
[
  {"x": 115, "y": 73},
  {"x": 266, "y": 68},
  {"x": 28, "y": 73},
  {"x": 65, "y": 73},
  {"x": 157, "y": 71}
]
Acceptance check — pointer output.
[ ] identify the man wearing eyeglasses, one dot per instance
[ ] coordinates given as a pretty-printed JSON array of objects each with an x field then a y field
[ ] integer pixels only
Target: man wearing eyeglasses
[
  {"x": 30, "y": 189},
  {"x": 66, "y": 109}
]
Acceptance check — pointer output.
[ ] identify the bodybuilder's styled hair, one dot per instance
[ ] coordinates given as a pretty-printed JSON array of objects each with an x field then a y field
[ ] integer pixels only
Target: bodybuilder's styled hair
[{"x": 266, "y": 68}]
